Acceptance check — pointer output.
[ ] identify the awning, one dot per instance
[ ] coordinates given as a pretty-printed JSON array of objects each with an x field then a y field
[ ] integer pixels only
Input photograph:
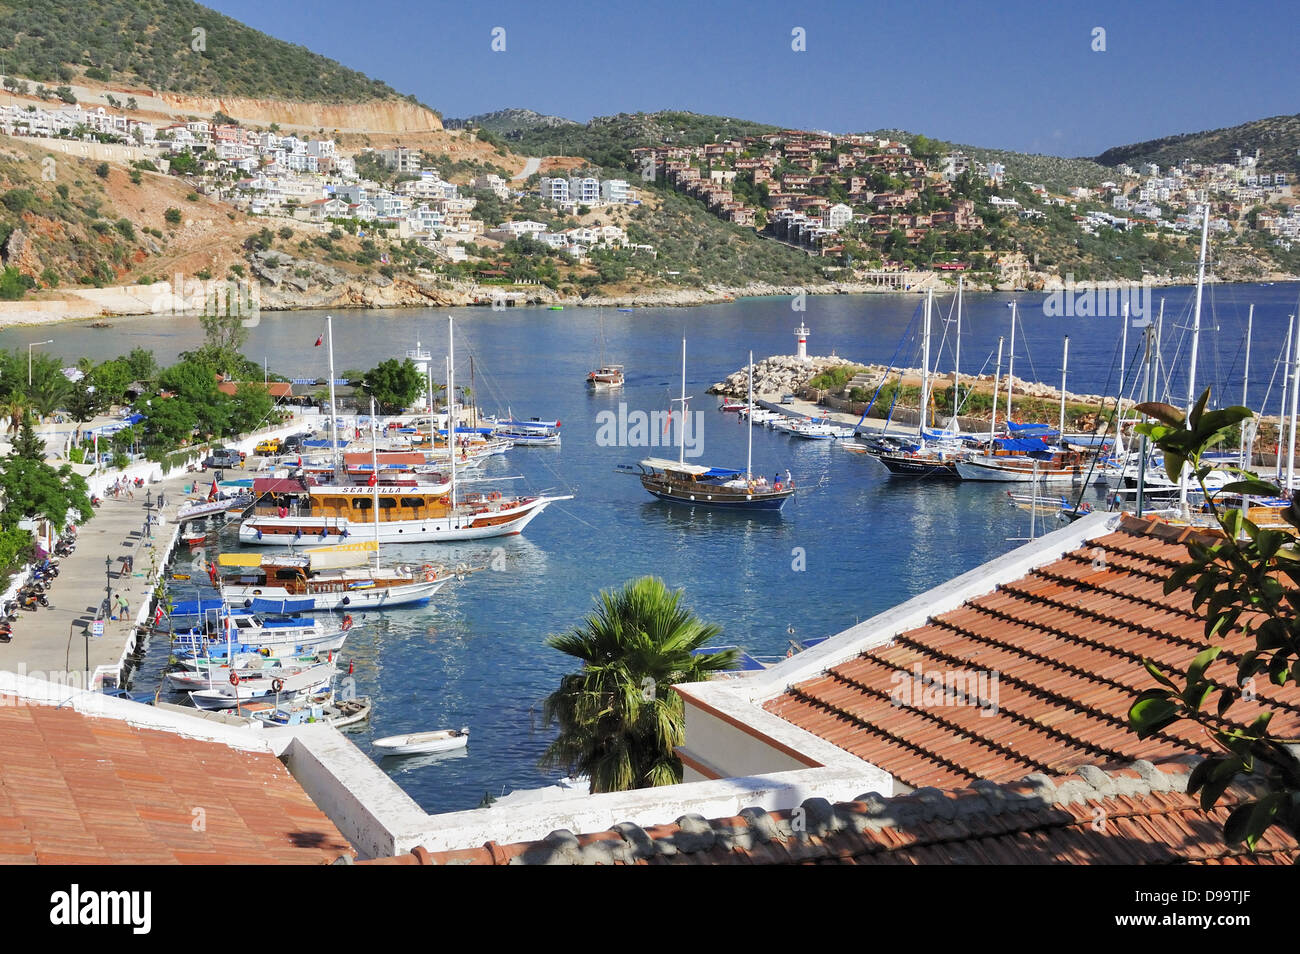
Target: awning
[
  {"x": 240, "y": 559},
  {"x": 277, "y": 485},
  {"x": 1021, "y": 445},
  {"x": 659, "y": 463}
]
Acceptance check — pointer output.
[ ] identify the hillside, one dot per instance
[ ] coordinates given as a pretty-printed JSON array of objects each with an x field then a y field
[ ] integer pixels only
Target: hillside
[
  {"x": 607, "y": 140},
  {"x": 511, "y": 122},
  {"x": 1055, "y": 172},
  {"x": 149, "y": 43},
  {"x": 1277, "y": 138}
]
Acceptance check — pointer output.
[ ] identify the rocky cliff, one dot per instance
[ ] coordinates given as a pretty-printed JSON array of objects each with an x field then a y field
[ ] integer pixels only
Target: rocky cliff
[{"x": 378, "y": 116}]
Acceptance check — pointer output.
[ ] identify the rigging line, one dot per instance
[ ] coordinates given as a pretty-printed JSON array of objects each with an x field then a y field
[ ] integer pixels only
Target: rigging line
[
  {"x": 569, "y": 513},
  {"x": 1113, "y": 430},
  {"x": 888, "y": 370}
]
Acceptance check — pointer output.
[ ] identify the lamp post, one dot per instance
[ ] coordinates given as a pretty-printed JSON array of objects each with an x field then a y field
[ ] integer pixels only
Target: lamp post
[
  {"x": 29, "y": 359},
  {"x": 148, "y": 514},
  {"x": 108, "y": 586}
]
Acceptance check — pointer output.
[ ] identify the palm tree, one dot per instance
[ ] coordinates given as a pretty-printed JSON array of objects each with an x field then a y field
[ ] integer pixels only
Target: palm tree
[
  {"x": 619, "y": 719},
  {"x": 14, "y": 409}
]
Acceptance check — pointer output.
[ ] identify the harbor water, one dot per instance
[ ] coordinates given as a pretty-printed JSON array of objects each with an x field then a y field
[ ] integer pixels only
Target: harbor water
[{"x": 851, "y": 544}]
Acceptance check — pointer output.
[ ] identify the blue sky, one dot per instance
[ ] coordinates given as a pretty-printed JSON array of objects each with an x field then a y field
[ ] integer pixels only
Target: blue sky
[{"x": 1016, "y": 75}]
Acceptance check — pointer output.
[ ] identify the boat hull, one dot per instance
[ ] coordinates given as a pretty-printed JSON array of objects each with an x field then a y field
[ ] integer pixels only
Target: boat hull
[
  {"x": 715, "y": 499},
  {"x": 277, "y": 599},
  {"x": 475, "y": 525},
  {"x": 903, "y": 466}
]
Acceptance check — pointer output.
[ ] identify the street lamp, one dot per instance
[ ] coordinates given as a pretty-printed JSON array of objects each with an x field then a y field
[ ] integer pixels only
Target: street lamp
[
  {"x": 29, "y": 359},
  {"x": 108, "y": 586},
  {"x": 148, "y": 513}
]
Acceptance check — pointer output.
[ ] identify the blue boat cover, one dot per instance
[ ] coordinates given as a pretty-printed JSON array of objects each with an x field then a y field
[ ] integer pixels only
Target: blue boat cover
[
  {"x": 260, "y": 605},
  {"x": 1013, "y": 426},
  {"x": 721, "y": 472},
  {"x": 1021, "y": 445},
  {"x": 195, "y": 607}
]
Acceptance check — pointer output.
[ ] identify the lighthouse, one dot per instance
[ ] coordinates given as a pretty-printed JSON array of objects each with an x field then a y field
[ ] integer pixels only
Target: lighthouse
[
  {"x": 423, "y": 362},
  {"x": 801, "y": 339}
]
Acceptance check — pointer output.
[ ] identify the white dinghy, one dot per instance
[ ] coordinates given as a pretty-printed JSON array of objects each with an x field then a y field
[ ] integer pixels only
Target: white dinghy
[{"x": 420, "y": 743}]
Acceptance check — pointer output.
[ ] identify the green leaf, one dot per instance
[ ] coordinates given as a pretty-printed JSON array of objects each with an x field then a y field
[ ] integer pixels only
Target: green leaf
[
  {"x": 1157, "y": 674},
  {"x": 1255, "y": 488},
  {"x": 1196, "y": 671},
  {"x": 1194, "y": 419},
  {"x": 1165, "y": 413},
  {"x": 1152, "y": 712}
]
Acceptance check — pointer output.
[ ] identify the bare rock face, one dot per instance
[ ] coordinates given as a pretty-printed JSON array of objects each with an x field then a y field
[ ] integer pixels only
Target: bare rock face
[
  {"x": 779, "y": 374},
  {"x": 19, "y": 254}
]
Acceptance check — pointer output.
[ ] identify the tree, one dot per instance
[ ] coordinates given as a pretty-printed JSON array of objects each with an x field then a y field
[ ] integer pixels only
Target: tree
[
  {"x": 27, "y": 445},
  {"x": 84, "y": 402},
  {"x": 172, "y": 216},
  {"x": 393, "y": 384},
  {"x": 101, "y": 170},
  {"x": 618, "y": 717},
  {"x": 250, "y": 408},
  {"x": 141, "y": 365},
  {"x": 1248, "y": 581},
  {"x": 32, "y": 488},
  {"x": 167, "y": 422}
]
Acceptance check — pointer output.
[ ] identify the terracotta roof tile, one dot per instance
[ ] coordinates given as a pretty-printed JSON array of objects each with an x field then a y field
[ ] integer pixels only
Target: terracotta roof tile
[
  {"x": 82, "y": 790},
  {"x": 1139, "y": 814},
  {"x": 1060, "y": 652}
]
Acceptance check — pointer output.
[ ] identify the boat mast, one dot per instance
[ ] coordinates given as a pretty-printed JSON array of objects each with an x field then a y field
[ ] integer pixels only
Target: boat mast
[
  {"x": 681, "y": 454},
  {"x": 956, "y": 365},
  {"x": 749, "y": 453},
  {"x": 1245, "y": 387},
  {"x": 993, "y": 424},
  {"x": 1196, "y": 340},
  {"x": 1011, "y": 364},
  {"x": 1123, "y": 358},
  {"x": 451, "y": 406},
  {"x": 1151, "y": 340},
  {"x": 1065, "y": 364},
  {"x": 334, "y": 411},
  {"x": 1281, "y": 408},
  {"x": 925, "y": 366},
  {"x": 374, "y": 474},
  {"x": 1295, "y": 409}
]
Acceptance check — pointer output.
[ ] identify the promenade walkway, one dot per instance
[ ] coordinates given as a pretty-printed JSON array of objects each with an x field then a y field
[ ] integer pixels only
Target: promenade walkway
[{"x": 52, "y": 640}]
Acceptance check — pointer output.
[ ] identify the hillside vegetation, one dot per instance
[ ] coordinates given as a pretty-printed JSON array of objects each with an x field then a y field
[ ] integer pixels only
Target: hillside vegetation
[
  {"x": 608, "y": 140},
  {"x": 1277, "y": 138},
  {"x": 149, "y": 43}
]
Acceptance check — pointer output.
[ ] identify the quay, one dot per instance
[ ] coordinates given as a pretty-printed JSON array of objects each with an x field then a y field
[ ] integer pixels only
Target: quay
[{"x": 54, "y": 642}]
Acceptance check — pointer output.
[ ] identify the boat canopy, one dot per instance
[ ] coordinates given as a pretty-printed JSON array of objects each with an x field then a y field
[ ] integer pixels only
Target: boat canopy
[
  {"x": 1013, "y": 426},
  {"x": 278, "y": 485},
  {"x": 387, "y": 460},
  {"x": 694, "y": 470},
  {"x": 1021, "y": 445}
]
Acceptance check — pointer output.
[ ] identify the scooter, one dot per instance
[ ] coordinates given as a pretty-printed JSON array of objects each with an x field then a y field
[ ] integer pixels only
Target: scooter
[{"x": 6, "y": 632}]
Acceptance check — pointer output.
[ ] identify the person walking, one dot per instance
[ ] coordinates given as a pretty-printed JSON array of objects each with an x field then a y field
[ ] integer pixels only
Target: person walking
[{"x": 122, "y": 606}]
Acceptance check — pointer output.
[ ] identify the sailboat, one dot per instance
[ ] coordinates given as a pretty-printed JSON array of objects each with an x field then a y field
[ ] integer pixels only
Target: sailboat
[
  {"x": 716, "y": 488},
  {"x": 297, "y": 512},
  {"x": 608, "y": 376},
  {"x": 933, "y": 462}
]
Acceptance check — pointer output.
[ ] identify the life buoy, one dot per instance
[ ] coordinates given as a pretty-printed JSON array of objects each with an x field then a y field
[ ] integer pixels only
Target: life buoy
[
  {"x": 427, "y": 567},
  {"x": 234, "y": 678},
  {"x": 443, "y": 500},
  {"x": 495, "y": 495},
  {"x": 347, "y": 622},
  {"x": 430, "y": 576},
  {"x": 277, "y": 685}
]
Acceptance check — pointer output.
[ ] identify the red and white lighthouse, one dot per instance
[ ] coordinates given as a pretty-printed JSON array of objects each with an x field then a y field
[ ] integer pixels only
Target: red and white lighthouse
[{"x": 801, "y": 338}]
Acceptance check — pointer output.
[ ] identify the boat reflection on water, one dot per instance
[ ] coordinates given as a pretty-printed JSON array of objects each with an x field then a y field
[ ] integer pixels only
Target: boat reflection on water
[{"x": 402, "y": 764}]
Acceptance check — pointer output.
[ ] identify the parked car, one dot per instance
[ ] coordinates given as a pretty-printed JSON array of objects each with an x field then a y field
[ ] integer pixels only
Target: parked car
[
  {"x": 223, "y": 457},
  {"x": 293, "y": 443},
  {"x": 269, "y": 446},
  {"x": 787, "y": 398}
]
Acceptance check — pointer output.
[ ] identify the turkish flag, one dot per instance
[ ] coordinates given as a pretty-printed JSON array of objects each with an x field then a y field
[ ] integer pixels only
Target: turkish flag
[{"x": 319, "y": 341}]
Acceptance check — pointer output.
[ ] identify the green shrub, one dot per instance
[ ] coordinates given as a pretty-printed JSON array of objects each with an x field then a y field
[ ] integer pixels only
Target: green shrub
[
  {"x": 172, "y": 216},
  {"x": 101, "y": 170},
  {"x": 127, "y": 230}
]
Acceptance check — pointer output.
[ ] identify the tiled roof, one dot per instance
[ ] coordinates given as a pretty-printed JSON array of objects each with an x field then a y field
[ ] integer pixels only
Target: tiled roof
[
  {"x": 1066, "y": 643},
  {"x": 81, "y": 790},
  {"x": 1138, "y": 814}
]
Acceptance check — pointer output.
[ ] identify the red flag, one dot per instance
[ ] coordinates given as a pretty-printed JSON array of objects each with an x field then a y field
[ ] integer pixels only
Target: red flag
[
  {"x": 350, "y": 661},
  {"x": 213, "y": 491},
  {"x": 319, "y": 341},
  {"x": 372, "y": 480},
  {"x": 158, "y": 615}
]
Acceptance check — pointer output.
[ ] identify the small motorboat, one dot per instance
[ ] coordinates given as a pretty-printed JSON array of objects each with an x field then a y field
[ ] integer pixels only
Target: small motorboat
[
  {"x": 733, "y": 406},
  {"x": 193, "y": 540},
  {"x": 420, "y": 743}
]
